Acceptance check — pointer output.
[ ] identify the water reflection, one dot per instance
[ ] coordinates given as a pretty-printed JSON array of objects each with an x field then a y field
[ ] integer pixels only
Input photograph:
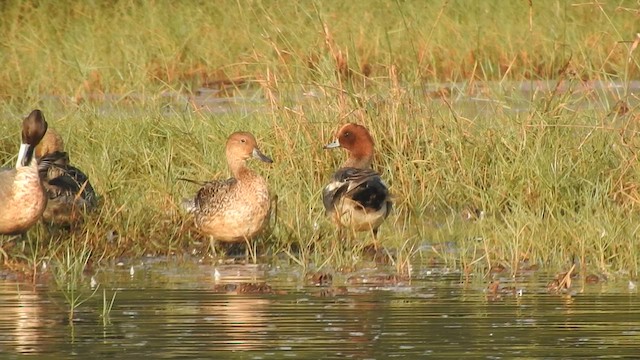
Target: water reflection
[
  {"x": 471, "y": 97},
  {"x": 242, "y": 320},
  {"x": 178, "y": 310},
  {"x": 22, "y": 317}
]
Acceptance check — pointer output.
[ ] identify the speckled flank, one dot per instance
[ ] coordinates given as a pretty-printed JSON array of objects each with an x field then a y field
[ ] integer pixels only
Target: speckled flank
[
  {"x": 233, "y": 211},
  {"x": 238, "y": 208}
]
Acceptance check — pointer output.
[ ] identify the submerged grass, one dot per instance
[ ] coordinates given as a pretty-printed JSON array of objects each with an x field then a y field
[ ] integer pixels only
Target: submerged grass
[
  {"x": 68, "y": 273},
  {"x": 483, "y": 174}
]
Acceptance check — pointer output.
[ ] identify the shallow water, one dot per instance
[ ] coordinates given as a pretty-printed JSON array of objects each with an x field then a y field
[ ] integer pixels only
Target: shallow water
[
  {"x": 470, "y": 98},
  {"x": 168, "y": 309}
]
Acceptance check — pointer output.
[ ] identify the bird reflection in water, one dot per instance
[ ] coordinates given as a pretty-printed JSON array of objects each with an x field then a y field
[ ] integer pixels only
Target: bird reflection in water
[{"x": 22, "y": 306}]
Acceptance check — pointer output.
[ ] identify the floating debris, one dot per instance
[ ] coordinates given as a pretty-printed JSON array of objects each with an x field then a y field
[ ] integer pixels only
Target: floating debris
[
  {"x": 333, "y": 291},
  {"x": 495, "y": 291},
  {"x": 376, "y": 279},
  {"x": 245, "y": 288},
  {"x": 321, "y": 279},
  {"x": 562, "y": 282},
  {"x": 592, "y": 279},
  {"x": 632, "y": 286}
]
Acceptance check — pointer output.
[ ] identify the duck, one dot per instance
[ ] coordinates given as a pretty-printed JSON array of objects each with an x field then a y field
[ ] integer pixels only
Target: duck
[
  {"x": 22, "y": 195},
  {"x": 236, "y": 209},
  {"x": 50, "y": 143},
  {"x": 356, "y": 197},
  {"x": 70, "y": 194}
]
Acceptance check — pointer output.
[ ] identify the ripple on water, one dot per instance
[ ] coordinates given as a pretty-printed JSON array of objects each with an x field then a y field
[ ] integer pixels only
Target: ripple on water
[{"x": 171, "y": 309}]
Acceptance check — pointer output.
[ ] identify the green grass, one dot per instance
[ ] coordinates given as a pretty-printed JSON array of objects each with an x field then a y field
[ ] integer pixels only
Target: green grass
[
  {"x": 556, "y": 182},
  {"x": 79, "y": 48}
]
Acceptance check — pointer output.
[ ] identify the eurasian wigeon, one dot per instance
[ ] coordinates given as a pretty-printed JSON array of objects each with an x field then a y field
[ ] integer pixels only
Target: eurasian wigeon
[
  {"x": 69, "y": 191},
  {"x": 356, "y": 197},
  {"x": 22, "y": 197},
  {"x": 50, "y": 143},
  {"x": 235, "y": 209}
]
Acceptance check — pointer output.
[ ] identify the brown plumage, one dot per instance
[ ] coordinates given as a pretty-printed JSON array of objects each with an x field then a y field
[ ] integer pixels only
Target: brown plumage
[
  {"x": 68, "y": 188},
  {"x": 50, "y": 143},
  {"x": 235, "y": 209},
  {"x": 356, "y": 197},
  {"x": 69, "y": 191},
  {"x": 22, "y": 197}
]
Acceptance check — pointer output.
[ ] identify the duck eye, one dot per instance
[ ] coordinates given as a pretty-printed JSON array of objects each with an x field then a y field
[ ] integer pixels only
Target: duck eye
[
  {"x": 243, "y": 140},
  {"x": 347, "y": 134}
]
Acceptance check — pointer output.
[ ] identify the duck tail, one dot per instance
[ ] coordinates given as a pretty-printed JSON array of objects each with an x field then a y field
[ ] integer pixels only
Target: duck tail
[
  {"x": 189, "y": 205},
  {"x": 201, "y": 183}
]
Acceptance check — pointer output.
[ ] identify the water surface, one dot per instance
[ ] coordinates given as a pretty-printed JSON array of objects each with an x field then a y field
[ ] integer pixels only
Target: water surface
[{"x": 165, "y": 308}]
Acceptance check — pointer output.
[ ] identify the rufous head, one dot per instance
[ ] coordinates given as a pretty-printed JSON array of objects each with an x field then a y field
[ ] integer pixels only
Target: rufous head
[
  {"x": 51, "y": 142},
  {"x": 358, "y": 142}
]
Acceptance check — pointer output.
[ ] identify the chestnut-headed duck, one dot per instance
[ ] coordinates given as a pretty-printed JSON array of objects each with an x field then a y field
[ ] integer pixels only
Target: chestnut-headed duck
[
  {"x": 235, "y": 209},
  {"x": 69, "y": 191},
  {"x": 356, "y": 197},
  {"x": 22, "y": 197},
  {"x": 50, "y": 143}
]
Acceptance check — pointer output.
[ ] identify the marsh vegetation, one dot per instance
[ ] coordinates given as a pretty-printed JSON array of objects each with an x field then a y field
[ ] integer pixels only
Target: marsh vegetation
[{"x": 506, "y": 131}]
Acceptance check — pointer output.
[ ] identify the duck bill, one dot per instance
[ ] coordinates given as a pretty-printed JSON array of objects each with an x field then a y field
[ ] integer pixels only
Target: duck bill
[
  {"x": 332, "y": 145},
  {"x": 260, "y": 156},
  {"x": 25, "y": 155}
]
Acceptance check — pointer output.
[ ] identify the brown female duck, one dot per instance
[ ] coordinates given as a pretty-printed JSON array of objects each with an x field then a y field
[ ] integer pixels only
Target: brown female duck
[{"x": 235, "y": 209}]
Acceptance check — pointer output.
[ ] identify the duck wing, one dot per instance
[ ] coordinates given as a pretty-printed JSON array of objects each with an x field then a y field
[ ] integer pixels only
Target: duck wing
[
  {"x": 364, "y": 186},
  {"x": 210, "y": 193},
  {"x": 64, "y": 182}
]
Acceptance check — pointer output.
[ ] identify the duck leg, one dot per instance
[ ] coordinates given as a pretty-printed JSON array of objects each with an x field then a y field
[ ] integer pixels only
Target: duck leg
[
  {"x": 374, "y": 249},
  {"x": 212, "y": 247},
  {"x": 375, "y": 239},
  {"x": 250, "y": 251}
]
